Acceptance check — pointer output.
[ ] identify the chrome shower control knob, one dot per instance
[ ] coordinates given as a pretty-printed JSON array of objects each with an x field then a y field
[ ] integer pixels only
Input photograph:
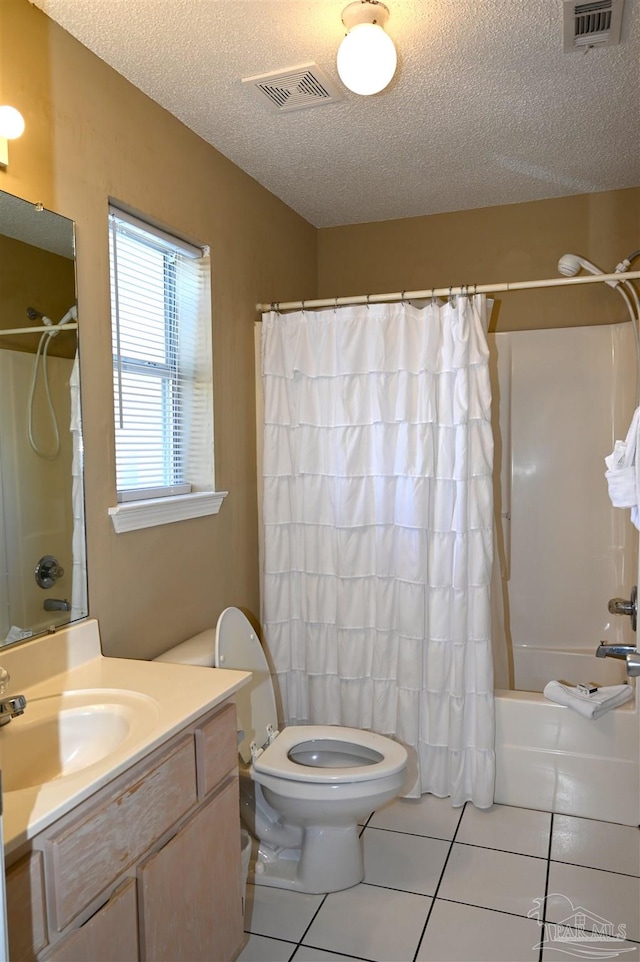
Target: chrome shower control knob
[
  {"x": 633, "y": 664},
  {"x": 619, "y": 606},
  {"x": 48, "y": 571}
]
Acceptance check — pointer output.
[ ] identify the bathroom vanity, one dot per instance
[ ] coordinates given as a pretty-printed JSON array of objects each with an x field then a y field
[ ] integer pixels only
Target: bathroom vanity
[{"x": 135, "y": 855}]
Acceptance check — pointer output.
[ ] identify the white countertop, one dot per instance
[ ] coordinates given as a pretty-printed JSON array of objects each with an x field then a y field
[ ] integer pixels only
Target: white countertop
[{"x": 70, "y": 661}]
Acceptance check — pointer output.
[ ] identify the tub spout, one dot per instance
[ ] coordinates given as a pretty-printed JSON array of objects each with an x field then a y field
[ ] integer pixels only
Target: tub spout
[{"x": 614, "y": 651}]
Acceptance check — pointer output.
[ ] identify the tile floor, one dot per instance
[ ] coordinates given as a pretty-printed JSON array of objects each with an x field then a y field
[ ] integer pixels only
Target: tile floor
[{"x": 463, "y": 885}]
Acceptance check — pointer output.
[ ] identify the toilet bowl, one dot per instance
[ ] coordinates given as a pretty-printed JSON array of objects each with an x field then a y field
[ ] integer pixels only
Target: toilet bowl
[{"x": 303, "y": 789}]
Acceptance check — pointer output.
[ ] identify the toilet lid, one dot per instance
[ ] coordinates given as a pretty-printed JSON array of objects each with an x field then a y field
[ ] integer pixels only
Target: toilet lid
[{"x": 237, "y": 646}]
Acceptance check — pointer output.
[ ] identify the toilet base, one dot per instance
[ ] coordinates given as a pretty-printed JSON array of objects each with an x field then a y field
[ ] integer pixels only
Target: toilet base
[{"x": 329, "y": 860}]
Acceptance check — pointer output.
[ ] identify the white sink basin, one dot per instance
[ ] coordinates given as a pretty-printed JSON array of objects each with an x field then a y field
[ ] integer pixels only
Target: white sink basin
[{"x": 60, "y": 735}]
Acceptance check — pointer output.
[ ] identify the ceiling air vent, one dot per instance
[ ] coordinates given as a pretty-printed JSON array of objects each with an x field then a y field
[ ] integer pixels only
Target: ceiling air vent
[
  {"x": 592, "y": 24},
  {"x": 294, "y": 89}
]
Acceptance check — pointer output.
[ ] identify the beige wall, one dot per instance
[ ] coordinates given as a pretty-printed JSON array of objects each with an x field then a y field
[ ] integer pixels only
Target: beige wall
[
  {"x": 515, "y": 242},
  {"x": 91, "y": 135}
]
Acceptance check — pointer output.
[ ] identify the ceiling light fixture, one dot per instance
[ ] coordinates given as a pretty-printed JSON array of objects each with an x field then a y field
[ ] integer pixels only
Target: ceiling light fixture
[
  {"x": 11, "y": 126},
  {"x": 367, "y": 56}
]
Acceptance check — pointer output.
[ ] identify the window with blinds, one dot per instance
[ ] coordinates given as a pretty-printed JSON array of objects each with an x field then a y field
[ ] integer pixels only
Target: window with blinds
[{"x": 162, "y": 372}]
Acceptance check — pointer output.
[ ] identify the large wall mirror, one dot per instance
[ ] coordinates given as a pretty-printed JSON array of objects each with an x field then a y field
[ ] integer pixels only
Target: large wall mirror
[{"x": 43, "y": 582}]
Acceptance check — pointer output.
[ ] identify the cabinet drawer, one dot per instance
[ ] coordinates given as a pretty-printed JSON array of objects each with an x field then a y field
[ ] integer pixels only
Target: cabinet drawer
[
  {"x": 217, "y": 741},
  {"x": 25, "y": 908},
  {"x": 111, "y": 935},
  {"x": 89, "y": 854}
]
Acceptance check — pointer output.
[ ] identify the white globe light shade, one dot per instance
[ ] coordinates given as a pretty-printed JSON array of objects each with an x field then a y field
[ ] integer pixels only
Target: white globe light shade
[
  {"x": 366, "y": 59},
  {"x": 11, "y": 123}
]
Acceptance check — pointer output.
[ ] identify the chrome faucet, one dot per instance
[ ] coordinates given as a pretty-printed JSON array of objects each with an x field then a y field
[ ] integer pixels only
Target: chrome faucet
[
  {"x": 614, "y": 651},
  {"x": 56, "y": 604},
  {"x": 630, "y": 654},
  {"x": 11, "y": 705}
]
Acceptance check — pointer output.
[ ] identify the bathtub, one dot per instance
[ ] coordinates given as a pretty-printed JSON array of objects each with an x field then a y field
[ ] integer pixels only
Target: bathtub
[{"x": 551, "y": 758}]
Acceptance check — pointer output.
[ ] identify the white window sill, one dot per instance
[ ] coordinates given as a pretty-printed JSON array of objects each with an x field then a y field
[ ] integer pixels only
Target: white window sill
[{"x": 132, "y": 515}]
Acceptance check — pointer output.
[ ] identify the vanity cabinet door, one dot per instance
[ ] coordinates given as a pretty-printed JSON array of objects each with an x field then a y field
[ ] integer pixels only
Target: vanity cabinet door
[
  {"x": 111, "y": 935},
  {"x": 26, "y": 908},
  {"x": 191, "y": 890}
]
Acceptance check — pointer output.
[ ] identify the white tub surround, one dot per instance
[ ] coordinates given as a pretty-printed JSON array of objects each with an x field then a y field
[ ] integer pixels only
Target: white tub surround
[
  {"x": 70, "y": 663},
  {"x": 535, "y": 665},
  {"x": 561, "y": 398}
]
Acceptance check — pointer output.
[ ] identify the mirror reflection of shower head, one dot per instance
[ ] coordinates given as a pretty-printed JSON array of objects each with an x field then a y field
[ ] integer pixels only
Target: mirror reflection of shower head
[{"x": 35, "y": 315}]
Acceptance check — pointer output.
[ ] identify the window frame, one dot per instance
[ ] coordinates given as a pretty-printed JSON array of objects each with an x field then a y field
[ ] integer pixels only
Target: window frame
[{"x": 146, "y": 507}]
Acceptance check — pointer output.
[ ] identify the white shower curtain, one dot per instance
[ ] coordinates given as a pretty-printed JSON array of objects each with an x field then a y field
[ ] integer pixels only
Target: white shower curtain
[{"x": 377, "y": 513}]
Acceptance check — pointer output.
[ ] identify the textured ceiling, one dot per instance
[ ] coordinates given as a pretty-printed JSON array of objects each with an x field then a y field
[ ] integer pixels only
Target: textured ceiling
[{"x": 485, "y": 108}]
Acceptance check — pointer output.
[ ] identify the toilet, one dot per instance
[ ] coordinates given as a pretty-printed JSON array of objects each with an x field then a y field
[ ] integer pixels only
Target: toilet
[{"x": 302, "y": 789}]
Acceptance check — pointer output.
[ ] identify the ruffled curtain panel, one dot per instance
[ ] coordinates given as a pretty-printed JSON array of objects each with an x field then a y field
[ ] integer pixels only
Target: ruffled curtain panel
[{"x": 378, "y": 518}]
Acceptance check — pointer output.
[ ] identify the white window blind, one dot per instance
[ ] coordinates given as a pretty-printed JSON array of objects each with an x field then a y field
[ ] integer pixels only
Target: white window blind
[{"x": 162, "y": 373}]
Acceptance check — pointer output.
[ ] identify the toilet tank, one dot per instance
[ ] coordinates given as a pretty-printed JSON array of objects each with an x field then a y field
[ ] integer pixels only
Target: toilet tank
[{"x": 199, "y": 650}]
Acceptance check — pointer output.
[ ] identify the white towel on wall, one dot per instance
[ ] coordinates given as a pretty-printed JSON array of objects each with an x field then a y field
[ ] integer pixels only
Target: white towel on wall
[
  {"x": 623, "y": 471},
  {"x": 591, "y": 706}
]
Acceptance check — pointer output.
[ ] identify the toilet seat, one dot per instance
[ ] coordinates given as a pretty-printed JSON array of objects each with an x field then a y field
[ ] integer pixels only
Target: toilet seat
[{"x": 276, "y": 759}]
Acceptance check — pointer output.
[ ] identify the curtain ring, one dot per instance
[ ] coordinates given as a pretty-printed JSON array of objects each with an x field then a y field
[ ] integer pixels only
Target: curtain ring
[
  {"x": 335, "y": 305},
  {"x": 302, "y": 307},
  {"x": 368, "y": 305}
]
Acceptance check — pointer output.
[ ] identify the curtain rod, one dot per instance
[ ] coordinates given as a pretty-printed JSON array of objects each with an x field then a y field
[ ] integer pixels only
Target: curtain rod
[
  {"x": 42, "y": 328},
  {"x": 464, "y": 289}
]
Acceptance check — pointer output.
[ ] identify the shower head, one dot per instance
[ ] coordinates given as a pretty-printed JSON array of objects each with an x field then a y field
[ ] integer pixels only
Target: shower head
[
  {"x": 35, "y": 315},
  {"x": 570, "y": 264},
  {"x": 71, "y": 315}
]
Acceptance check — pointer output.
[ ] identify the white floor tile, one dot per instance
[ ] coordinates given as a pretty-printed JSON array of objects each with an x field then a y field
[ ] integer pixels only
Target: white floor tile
[
  {"x": 407, "y": 862},
  {"x": 426, "y": 815},
  {"x": 493, "y": 880},
  {"x": 593, "y": 894},
  {"x": 509, "y": 829},
  {"x": 461, "y": 933},
  {"x": 279, "y": 913},
  {"x": 306, "y": 953},
  {"x": 261, "y": 949},
  {"x": 584, "y": 841},
  {"x": 371, "y": 923}
]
